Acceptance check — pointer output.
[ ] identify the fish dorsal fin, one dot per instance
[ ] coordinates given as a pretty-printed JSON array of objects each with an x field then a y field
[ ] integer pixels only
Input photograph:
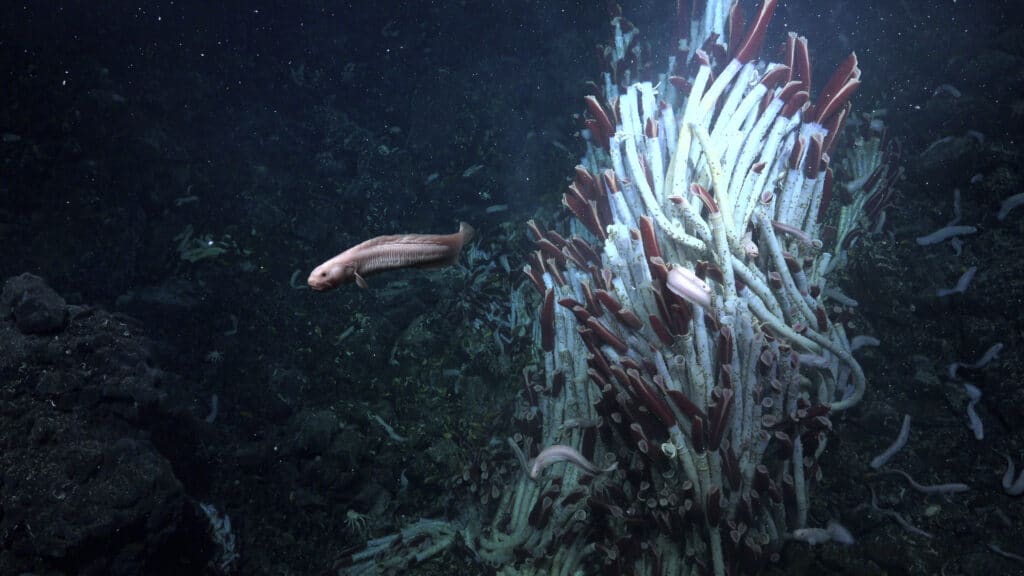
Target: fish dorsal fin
[{"x": 404, "y": 239}]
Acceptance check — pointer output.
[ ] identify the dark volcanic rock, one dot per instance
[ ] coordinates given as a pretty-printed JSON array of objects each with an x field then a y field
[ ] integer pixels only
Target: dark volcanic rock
[
  {"x": 83, "y": 489},
  {"x": 36, "y": 308}
]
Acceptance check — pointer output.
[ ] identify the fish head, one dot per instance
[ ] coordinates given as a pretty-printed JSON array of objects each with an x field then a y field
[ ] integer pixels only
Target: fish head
[{"x": 330, "y": 275}]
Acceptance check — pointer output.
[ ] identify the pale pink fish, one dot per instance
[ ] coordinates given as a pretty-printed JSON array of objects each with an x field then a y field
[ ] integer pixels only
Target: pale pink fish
[
  {"x": 385, "y": 253},
  {"x": 562, "y": 453}
]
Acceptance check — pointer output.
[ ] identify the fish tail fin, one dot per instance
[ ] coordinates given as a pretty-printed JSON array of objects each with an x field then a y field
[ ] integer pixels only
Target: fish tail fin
[
  {"x": 462, "y": 237},
  {"x": 466, "y": 231}
]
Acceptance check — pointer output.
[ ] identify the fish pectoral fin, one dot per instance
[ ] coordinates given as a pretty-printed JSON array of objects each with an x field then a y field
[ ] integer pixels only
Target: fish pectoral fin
[{"x": 361, "y": 282}]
